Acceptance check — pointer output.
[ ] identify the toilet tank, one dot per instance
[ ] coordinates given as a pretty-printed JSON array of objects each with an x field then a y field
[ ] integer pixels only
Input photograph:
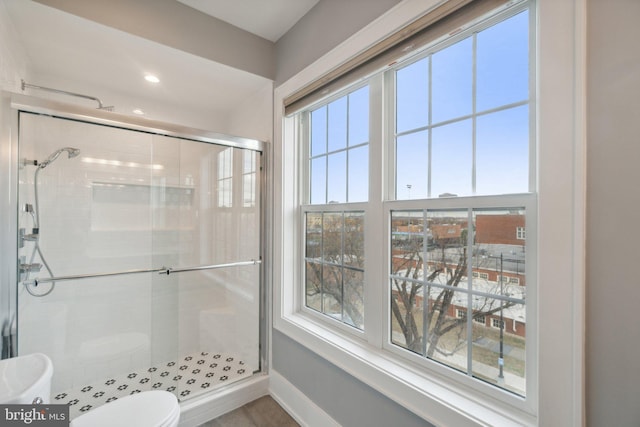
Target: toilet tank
[{"x": 25, "y": 378}]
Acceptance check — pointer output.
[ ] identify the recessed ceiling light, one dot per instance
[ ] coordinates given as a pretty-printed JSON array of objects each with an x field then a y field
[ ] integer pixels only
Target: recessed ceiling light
[
  {"x": 151, "y": 78},
  {"x": 138, "y": 111}
]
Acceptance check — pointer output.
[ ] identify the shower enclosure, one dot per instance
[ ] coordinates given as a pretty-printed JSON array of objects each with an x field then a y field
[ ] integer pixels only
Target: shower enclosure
[{"x": 139, "y": 256}]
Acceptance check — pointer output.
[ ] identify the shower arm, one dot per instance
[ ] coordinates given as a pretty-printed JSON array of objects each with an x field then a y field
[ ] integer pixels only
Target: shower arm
[
  {"x": 162, "y": 270},
  {"x": 64, "y": 92}
]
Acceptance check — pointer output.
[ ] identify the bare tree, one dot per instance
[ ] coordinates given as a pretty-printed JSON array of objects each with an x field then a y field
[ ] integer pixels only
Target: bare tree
[
  {"x": 447, "y": 265},
  {"x": 335, "y": 266},
  {"x": 334, "y": 282}
]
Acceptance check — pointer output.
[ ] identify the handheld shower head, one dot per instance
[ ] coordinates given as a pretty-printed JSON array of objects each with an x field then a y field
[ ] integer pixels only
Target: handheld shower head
[{"x": 71, "y": 152}]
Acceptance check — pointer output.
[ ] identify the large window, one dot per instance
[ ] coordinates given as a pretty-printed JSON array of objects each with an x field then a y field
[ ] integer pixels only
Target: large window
[
  {"x": 471, "y": 227},
  {"x": 460, "y": 185}
]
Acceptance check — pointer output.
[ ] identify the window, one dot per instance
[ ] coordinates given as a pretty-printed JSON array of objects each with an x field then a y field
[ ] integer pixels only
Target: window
[
  {"x": 461, "y": 314},
  {"x": 479, "y": 319},
  {"x": 399, "y": 191},
  {"x": 497, "y": 323},
  {"x": 462, "y": 130},
  {"x": 521, "y": 233},
  {"x": 338, "y": 151}
]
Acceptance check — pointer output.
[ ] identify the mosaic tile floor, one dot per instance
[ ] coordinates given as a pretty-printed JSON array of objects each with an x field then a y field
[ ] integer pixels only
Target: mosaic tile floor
[{"x": 190, "y": 376}]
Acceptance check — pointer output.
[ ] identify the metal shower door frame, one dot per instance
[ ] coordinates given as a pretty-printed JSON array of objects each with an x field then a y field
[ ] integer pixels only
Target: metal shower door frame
[{"x": 11, "y": 105}]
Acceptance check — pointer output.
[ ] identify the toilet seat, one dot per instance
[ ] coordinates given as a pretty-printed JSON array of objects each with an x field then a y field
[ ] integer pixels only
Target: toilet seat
[{"x": 147, "y": 409}]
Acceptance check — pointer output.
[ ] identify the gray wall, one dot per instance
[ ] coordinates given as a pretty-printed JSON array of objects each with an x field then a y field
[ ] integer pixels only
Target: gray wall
[
  {"x": 173, "y": 24},
  {"x": 327, "y": 25},
  {"x": 613, "y": 193},
  {"x": 345, "y": 399}
]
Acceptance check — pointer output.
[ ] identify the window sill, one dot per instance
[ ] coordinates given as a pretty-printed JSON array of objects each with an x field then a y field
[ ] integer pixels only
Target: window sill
[{"x": 428, "y": 396}]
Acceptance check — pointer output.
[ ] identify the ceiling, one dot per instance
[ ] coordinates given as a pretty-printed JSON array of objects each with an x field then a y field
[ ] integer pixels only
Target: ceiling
[
  {"x": 269, "y": 19},
  {"x": 75, "y": 54}
]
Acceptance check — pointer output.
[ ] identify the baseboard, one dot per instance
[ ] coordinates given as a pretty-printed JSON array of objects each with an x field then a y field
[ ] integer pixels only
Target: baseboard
[
  {"x": 198, "y": 411},
  {"x": 297, "y": 404}
]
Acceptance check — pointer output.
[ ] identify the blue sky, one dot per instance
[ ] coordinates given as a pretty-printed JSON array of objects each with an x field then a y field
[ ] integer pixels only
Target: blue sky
[{"x": 435, "y": 97}]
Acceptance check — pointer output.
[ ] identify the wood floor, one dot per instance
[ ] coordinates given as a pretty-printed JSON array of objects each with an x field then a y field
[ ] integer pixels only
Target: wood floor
[{"x": 263, "y": 412}]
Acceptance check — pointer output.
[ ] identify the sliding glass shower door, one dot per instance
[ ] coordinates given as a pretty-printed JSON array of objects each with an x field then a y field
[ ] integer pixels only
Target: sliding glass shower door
[{"x": 139, "y": 260}]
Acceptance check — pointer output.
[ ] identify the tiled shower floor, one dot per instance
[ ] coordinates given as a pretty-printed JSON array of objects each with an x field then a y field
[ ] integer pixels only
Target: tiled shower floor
[{"x": 190, "y": 376}]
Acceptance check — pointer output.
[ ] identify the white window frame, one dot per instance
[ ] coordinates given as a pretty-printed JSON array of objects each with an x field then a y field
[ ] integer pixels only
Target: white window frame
[{"x": 560, "y": 107}]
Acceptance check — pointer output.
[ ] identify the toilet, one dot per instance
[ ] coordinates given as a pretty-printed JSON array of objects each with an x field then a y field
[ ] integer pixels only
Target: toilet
[
  {"x": 27, "y": 380},
  {"x": 155, "y": 408}
]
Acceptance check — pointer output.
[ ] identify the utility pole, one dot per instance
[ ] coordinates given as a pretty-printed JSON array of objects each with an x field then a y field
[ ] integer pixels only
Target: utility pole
[{"x": 501, "y": 359}]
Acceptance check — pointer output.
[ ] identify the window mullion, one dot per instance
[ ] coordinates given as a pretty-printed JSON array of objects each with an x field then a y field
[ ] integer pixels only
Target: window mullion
[
  {"x": 430, "y": 122},
  {"x": 474, "y": 84},
  {"x": 375, "y": 275}
]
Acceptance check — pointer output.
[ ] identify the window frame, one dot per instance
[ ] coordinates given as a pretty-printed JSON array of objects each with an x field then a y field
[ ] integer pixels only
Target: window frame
[{"x": 560, "y": 211}]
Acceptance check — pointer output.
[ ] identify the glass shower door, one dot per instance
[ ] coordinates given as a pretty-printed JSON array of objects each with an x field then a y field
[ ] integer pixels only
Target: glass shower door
[
  {"x": 219, "y": 306},
  {"x": 180, "y": 217}
]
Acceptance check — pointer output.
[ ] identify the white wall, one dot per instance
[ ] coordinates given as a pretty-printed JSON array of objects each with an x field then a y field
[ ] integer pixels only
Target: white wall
[
  {"x": 13, "y": 62},
  {"x": 613, "y": 335}
]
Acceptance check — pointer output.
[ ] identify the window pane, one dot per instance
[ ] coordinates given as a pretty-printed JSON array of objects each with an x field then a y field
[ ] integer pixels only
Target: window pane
[
  {"x": 451, "y": 159},
  {"x": 452, "y": 76},
  {"x": 354, "y": 239},
  {"x": 337, "y": 178},
  {"x": 502, "y": 60},
  {"x": 332, "y": 291},
  {"x": 359, "y": 116},
  {"x": 313, "y": 237},
  {"x": 318, "y": 180},
  {"x": 359, "y": 174},
  {"x": 499, "y": 355},
  {"x": 313, "y": 286},
  {"x": 412, "y": 96},
  {"x": 337, "y": 129},
  {"x": 332, "y": 237},
  {"x": 407, "y": 270},
  {"x": 353, "y": 302},
  {"x": 448, "y": 233},
  {"x": 447, "y": 335},
  {"x": 412, "y": 165},
  {"x": 499, "y": 251},
  {"x": 407, "y": 314},
  {"x": 502, "y": 150},
  {"x": 319, "y": 131}
]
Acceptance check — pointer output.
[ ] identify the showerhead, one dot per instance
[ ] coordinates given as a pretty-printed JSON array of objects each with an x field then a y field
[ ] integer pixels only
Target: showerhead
[{"x": 71, "y": 152}]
